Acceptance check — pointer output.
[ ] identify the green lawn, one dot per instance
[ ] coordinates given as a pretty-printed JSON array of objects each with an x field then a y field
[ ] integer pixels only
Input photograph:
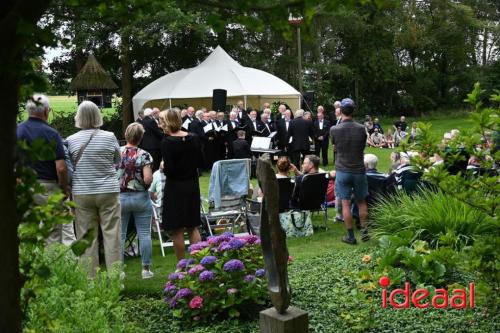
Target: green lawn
[{"x": 322, "y": 241}]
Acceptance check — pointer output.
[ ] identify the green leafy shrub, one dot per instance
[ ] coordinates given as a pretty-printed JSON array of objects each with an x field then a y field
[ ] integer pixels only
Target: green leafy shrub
[
  {"x": 434, "y": 217},
  {"x": 71, "y": 302},
  {"x": 223, "y": 278}
]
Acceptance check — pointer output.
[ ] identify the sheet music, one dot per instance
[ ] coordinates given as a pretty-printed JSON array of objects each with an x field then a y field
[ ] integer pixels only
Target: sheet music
[
  {"x": 272, "y": 135},
  {"x": 224, "y": 128},
  {"x": 208, "y": 128},
  {"x": 290, "y": 140},
  {"x": 186, "y": 123}
]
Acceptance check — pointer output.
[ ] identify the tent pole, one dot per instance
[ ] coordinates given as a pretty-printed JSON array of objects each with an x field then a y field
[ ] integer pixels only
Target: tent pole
[
  {"x": 245, "y": 101},
  {"x": 170, "y": 103}
]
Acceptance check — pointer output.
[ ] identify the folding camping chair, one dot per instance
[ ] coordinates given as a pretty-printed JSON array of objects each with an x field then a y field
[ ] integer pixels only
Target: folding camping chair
[
  {"x": 228, "y": 189},
  {"x": 157, "y": 229}
]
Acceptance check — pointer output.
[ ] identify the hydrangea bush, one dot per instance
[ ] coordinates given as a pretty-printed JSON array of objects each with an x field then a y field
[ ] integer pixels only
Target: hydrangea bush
[{"x": 224, "y": 277}]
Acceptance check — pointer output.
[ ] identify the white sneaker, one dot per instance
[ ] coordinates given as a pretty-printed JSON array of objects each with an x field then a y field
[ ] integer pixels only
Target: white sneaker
[{"x": 147, "y": 274}]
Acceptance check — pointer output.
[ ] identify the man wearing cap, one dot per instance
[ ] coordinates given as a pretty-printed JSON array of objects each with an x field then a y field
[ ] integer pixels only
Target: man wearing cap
[{"x": 349, "y": 140}]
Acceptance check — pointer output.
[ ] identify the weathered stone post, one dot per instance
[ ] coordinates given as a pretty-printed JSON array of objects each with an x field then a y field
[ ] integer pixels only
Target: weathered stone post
[{"x": 282, "y": 317}]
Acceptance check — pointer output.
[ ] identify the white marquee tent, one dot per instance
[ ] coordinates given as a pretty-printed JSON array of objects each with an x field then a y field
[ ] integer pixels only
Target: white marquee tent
[{"x": 194, "y": 86}]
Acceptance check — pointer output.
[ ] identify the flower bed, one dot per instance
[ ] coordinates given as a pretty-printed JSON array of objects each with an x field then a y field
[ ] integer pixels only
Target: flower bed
[{"x": 223, "y": 276}]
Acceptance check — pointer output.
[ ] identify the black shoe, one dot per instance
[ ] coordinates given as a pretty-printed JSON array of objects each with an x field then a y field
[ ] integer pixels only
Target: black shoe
[
  {"x": 365, "y": 237},
  {"x": 339, "y": 220},
  {"x": 346, "y": 239}
]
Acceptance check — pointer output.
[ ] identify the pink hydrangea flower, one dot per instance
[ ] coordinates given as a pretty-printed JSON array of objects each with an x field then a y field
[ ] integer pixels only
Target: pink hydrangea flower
[{"x": 196, "y": 302}]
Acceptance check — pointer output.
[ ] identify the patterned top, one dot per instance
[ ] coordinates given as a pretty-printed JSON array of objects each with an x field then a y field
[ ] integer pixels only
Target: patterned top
[{"x": 133, "y": 160}]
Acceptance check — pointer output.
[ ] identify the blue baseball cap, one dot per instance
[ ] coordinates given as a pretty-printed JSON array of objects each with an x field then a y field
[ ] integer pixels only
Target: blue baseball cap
[{"x": 347, "y": 102}]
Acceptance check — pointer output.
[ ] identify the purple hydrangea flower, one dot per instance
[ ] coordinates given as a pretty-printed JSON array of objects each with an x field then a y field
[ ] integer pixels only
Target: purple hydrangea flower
[
  {"x": 225, "y": 237},
  {"x": 170, "y": 289},
  {"x": 173, "y": 302},
  {"x": 198, "y": 246},
  {"x": 260, "y": 272},
  {"x": 175, "y": 276},
  {"x": 233, "y": 265},
  {"x": 183, "y": 263},
  {"x": 183, "y": 293},
  {"x": 232, "y": 291},
  {"x": 249, "y": 278},
  {"x": 196, "y": 269},
  {"x": 213, "y": 240},
  {"x": 208, "y": 260},
  {"x": 224, "y": 246},
  {"x": 206, "y": 276},
  {"x": 236, "y": 243}
]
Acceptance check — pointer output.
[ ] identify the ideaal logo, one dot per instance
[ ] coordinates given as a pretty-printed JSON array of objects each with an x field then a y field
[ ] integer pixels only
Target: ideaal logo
[{"x": 440, "y": 300}]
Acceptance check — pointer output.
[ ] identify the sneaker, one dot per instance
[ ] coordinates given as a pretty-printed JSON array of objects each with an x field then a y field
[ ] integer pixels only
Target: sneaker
[
  {"x": 147, "y": 274},
  {"x": 365, "y": 237},
  {"x": 347, "y": 240}
]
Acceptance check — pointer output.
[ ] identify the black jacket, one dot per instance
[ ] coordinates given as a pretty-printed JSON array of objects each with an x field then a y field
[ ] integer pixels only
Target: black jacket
[
  {"x": 300, "y": 130},
  {"x": 241, "y": 149},
  {"x": 152, "y": 134},
  {"x": 325, "y": 132},
  {"x": 282, "y": 134},
  {"x": 196, "y": 127}
]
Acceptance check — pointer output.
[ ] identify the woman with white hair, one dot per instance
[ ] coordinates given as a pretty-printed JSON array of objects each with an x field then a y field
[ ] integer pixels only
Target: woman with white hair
[{"x": 96, "y": 189}]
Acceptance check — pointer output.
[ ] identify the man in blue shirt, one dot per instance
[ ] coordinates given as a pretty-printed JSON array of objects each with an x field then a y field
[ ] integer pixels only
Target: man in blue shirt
[{"x": 52, "y": 174}]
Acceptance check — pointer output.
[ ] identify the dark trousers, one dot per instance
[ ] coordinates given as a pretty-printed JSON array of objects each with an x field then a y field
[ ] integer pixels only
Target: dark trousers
[
  {"x": 297, "y": 156},
  {"x": 321, "y": 147}
]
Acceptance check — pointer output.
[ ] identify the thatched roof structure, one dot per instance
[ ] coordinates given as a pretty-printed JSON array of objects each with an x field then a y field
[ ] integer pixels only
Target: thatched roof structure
[{"x": 93, "y": 77}]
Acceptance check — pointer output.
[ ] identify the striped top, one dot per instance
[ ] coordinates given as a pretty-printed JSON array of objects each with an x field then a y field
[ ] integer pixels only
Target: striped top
[{"x": 96, "y": 171}]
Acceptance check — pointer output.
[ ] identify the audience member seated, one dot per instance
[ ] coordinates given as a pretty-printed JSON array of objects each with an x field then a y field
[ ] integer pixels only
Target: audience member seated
[
  {"x": 389, "y": 139},
  {"x": 401, "y": 124},
  {"x": 284, "y": 167},
  {"x": 407, "y": 178},
  {"x": 395, "y": 161},
  {"x": 399, "y": 136},
  {"x": 310, "y": 165},
  {"x": 376, "y": 139},
  {"x": 376, "y": 124},
  {"x": 241, "y": 147},
  {"x": 371, "y": 162},
  {"x": 368, "y": 125}
]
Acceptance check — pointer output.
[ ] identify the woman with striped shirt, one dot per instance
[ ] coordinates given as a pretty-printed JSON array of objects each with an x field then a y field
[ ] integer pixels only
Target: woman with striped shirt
[{"x": 96, "y": 189}]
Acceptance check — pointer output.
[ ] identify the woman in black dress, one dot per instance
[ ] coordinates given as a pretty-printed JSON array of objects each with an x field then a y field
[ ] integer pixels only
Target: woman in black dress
[{"x": 181, "y": 199}]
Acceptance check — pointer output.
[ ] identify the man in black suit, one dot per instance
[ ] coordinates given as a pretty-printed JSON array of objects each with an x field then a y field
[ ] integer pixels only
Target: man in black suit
[
  {"x": 334, "y": 115},
  {"x": 321, "y": 129},
  {"x": 189, "y": 114},
  {"x": 241, "y": 113},
  {"x": 254, "y": 126},
  {"x": 282, "y": 126},
  {"x": 300, "y": 131},
  {"x": 241, "y": 147},
  {"x": 140, "y": 117},
  {"x": 211, "y": 147},
  {"x": 196, "y": 127},
  {"x": 152, "y": 138},
  {"x": 266, "y": 126},
  {"x": 232, "y": 127},
  {"x": 221, "y": 136}
]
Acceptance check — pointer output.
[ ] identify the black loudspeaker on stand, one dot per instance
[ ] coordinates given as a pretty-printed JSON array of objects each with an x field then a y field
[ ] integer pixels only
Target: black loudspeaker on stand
[
  {"x": 308, "y": 101},
  {"x": 219, "y": 98}
]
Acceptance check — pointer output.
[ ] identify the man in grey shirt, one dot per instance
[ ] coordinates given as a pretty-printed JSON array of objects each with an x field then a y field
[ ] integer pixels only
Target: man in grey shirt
[{"x": 349, "y": 139}]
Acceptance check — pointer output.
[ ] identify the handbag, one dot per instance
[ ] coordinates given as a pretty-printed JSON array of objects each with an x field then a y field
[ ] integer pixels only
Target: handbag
[{"x": 296, "y": 223}]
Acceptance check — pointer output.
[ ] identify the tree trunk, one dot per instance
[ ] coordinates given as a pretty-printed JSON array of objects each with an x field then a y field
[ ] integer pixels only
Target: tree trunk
[
  {"x": 485, "y": 47},
  {"x": 11, "y": 57},
  {"x": 126, "y": 66}
]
